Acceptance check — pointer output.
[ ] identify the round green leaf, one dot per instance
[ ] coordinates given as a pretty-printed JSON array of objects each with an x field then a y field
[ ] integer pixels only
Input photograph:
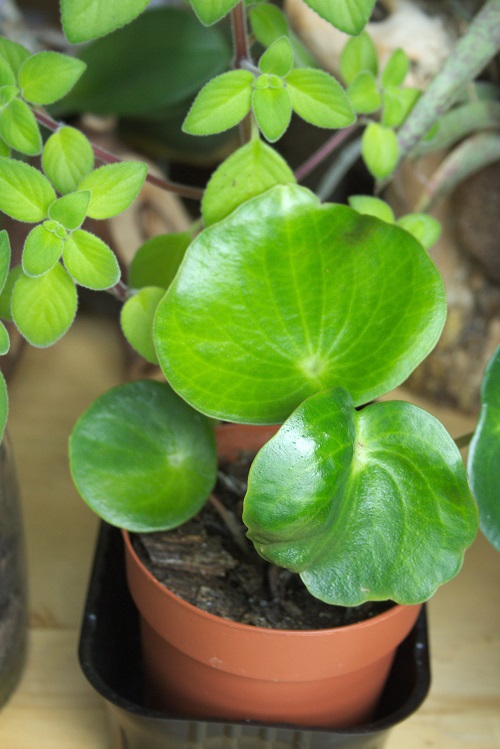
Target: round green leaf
[
  {"x": 70, "y": 210},
  {"x": 67, "y": 158},
  {"x": 370, "y": 206},
  {"x": 48, "y": 76},
  {"x": 268, "y": 23},
  {"x": 379, "y": 147},
  {"x": 249, "y": 171},
  {"x": 25, "y": 194},
  {"x": 211, "y": 11},
  {"x": 221, "y": 104},
  {"x": 286, "y": 297},
  {"x": 350, "y": 16},
  {"x": 15, "y": 54},
  {"x": 425, "y": 228},
  {"x": 358, "y": 55},
  {"x": 44, "y": 308},
  {"x": 137, "y": 321},
  {"x": 273, "y": 111},
  {"x": 113, "y": 187},
  {"x": 42, "y": 249},
  {"x": 4, "y": 258},
  {"x": 484, "y": 453},
  {"x": 4, "y": 405},
  {"x": 278, "y": 59},
  {"x": 6, "y": 295},
  {"x": 90, "y": 261},
  {"x": 156, "y": 262},
  {"x": 83, "y": 20},
  {"x": 364, "y": 94},
  {"x": 318, "y": 98},
  {"x": 368, "y": 505},
  {"x": 142, "y": 458},
  {"x": 396, "y": 69},
  {"x": 19, "y": 129}
]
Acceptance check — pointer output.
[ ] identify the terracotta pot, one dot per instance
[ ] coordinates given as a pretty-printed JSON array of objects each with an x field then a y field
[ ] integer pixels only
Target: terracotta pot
[{"x": 204, "y": 666}]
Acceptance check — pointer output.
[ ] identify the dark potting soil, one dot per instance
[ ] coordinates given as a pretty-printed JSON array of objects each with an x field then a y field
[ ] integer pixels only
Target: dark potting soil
[{"x": 202, "y": 563}]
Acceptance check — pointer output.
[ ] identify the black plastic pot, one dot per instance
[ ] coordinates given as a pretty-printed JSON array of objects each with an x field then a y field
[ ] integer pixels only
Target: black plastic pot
[{"x": 110, "y": 659}]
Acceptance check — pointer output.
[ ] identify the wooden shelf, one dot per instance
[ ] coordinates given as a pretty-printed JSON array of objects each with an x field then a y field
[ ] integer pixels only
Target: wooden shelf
[{"x": 54, "y": 706}]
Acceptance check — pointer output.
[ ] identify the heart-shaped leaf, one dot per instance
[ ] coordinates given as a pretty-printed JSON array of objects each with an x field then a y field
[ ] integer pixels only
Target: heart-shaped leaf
[
  {"x": 319, "y": 99},
  {"x": 83, "y": 20},
  {"x": 25, "y": 194},
  {"x": 19, "y": 129},
  {"x": 137, "y": 321},
  {"x": 350, "y": 16},
  {"x": 484, "y": 453},
  {"x": 48, "y": 76},
  {"x": 44, "y": 308},
  {"x": 113, "y": 187},
  {"x": 287, "y": 297},
  {"x": 67, "y": 158},
  {"x": 366, "y": 505},
  {"x": 41, "y": 251},
  {"x": 90, "y": 261},
  {"x": 156, "y": 262},
  {"x": 142, "y": 458}
]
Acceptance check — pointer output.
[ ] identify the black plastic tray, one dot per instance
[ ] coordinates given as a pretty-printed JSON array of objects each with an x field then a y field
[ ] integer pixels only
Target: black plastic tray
[{"x": 110, "y": 659}]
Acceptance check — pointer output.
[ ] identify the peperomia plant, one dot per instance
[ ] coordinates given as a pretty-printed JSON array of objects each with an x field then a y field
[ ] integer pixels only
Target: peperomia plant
[{"x": 275, "y": 308}]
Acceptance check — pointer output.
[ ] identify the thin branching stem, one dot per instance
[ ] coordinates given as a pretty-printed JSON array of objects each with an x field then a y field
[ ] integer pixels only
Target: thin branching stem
[
  {"x": 323, "y": 152},
  {"x": 241, "y": 58}
]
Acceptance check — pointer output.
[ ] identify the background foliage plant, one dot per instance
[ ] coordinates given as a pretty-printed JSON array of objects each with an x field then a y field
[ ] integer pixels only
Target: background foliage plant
[{"x": 274, "y": 308}]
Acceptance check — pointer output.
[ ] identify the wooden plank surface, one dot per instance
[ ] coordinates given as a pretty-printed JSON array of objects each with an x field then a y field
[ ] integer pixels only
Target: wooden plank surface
[{"x": 55, "y": 708}]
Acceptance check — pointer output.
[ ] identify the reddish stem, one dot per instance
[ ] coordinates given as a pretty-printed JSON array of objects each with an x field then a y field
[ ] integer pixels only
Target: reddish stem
[{"x": 325, "y": 150}]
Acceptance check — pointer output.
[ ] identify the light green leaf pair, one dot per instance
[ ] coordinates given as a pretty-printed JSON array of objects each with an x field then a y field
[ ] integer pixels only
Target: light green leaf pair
[
  {"x": 423, "y": 227},
  {"x": 142, "y": 459},
  {"x": 484, "y": 453},
  {"x": 348, "y": 300},
  {"x": 339, "y": 495}
]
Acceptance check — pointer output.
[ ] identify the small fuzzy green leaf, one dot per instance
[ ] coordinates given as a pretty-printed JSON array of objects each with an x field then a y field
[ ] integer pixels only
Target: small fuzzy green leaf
[
  {"x": 48, "y": 76},
  {"x": 156, "y": 262},
  {"x": 142, "y": 459},
  {"x": 366, "y": 505},
  {"x": 4, "y": 341},
  {"x": 44, "y": 308},
  {"x": 25, "y": 194},
  {"x": 359, "y": 54},
  {"x": 396, "y": 69},
  {"x": 4, "y": 149},
  {"x": 221, "y": 104},
  {"x": 278, "y": 59},
  {"x": 113, "y": 187},
  {"x": 398, "y": 103},
  {"x": 137, "y": 321},
  {"x": 379, "y": 147},
  {"x": 19, "y": 128},
  {"x": 425, "y": 228},
  {"x": 350, "y": 16},
  {"x": 370, "y": 206},
  {"x": 319, "y": 99},
  {"x": 249, "y": 171},
  {"x": 7, "y": 94},
  {"x": 67, "y": 158},
  {"x": 71, "y": 209},
  {"x": 4, "y": 258},
  {"x": 42, "y": 249},
  {"x": 6, "y": 295},
  {"x": 4, "y": 405},
  {"x": 484, "y": 453},
  {"x": 7, "y": 75},
  {"x": 15, "y": 54},
  {"x": 211, "y": 11},
  {"x": 273, "y": 111},
  {"x": 268, "y": 23},
  {"x": 83, "y": 20},
  {"x": 90, "y": 261},
  {"x": 364, "y": 94}
]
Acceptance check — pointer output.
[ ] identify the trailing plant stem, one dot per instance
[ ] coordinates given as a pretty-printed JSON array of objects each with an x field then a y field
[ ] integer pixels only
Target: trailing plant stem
[{"x": 324, "y": 151}]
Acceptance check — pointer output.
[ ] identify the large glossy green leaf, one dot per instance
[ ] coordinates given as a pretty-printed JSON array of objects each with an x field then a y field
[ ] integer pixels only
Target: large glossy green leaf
[
  {"x": 44, "y": 308},
  {"x": 350, "y": 16},
  {"x": 161, "y": 59},
  {"x": 83, "y": 20},
  {"x": 142, "y": 459},
  {"x": 25, "y": 193},
  {"x": 484, "y": 453},
  {"x": 249, "y": 171},
  {"x": 286, "y": 297},
  {"x": 366, "y": 505},
  {"x": 67, "y": 158},
  {"x": 4, "y": 405}
]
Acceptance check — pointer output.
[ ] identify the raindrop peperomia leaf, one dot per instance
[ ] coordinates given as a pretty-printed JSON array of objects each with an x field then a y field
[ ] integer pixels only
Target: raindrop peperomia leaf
[
  {"x": 42, "y": 249},
  {"x": 83, "y": 20},
  {"x": 44, "y": 308},
  {"x": 67, "y": 158},
  {"x": 287, "y": 297},
  {"x": 365, "y": 505},
  {"x": 137, "y": 321},
  {"x": 48, "y": 76},
  {"x": 19, "y": 129},
  {"x": 113, "y": 187},
  {"x": 484, "y": 453},
  {"x": 4, "y": 405},
  {"x": 142, "y": 458},
  {"x": 25, "y": 193},
  {"x": 350, "y": 16},
  {"x": 90, "y": 262},
  {"x": 249, "y": 171},
  {"x": 156, "y": 262}
]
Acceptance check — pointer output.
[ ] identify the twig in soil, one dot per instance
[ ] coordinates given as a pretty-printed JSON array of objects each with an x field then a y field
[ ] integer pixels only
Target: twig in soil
[{"x": 231, "y": 523}]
